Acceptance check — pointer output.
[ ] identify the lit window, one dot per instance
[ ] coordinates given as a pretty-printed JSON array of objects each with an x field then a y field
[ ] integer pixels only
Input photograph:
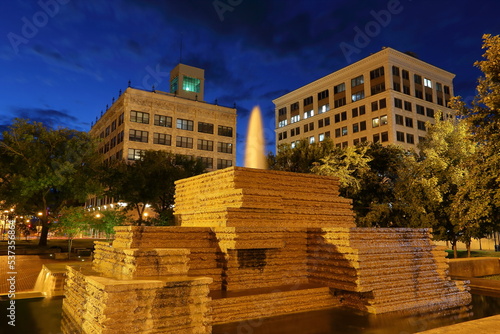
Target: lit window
[
  {"x": 427, "y": 83},
  {"x": 324, "y": 108},
  {"x": 375, "y": 122},
  {"x": 358, "y": 96},
  {"x": 294, "y": 119},
  {"x": 311, "y": 140},
  {"x": 174, "y": 85},
  {"x": 191, "y": 84},
  {"x": 282, "y": 123},
  {"x": 321, "y": 136}
]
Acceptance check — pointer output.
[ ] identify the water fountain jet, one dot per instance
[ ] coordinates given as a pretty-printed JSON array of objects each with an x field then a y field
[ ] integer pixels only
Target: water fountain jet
[{"x": 255, "y": 156}]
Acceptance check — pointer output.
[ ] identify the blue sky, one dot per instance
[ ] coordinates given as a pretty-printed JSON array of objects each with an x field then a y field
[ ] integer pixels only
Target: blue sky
[{"x": 63, "y": 61}]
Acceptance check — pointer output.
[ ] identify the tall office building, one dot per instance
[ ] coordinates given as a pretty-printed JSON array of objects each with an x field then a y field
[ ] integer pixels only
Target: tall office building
[{"x": 387, "y": 97}]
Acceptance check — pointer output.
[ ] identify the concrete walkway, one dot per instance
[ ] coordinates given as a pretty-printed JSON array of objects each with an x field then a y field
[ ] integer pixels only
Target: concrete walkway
[
  {"x": 479, "y": 326},
  {"x": 27, "y": 267}
]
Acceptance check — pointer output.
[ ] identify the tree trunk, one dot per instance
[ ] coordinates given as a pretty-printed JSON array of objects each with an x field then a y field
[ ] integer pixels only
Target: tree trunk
[
  {"x": 454, "y": 247},
  {"x": 70, "y": 243},
  {"x": 43, "y": 234},
  {"x": 467, "y": 244}
]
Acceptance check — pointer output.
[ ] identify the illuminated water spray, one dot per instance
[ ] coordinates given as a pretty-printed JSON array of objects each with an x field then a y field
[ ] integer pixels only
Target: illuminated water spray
[{"x": 255, "y": 156}]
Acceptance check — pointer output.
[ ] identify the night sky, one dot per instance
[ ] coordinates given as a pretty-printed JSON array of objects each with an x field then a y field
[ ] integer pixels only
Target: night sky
[{"x": 62, "y": 61}]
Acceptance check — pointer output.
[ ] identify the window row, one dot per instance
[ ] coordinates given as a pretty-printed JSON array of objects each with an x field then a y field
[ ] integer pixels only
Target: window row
[
  {"x": 406, "y": 105},
  {"x": 182, "y": 124}
]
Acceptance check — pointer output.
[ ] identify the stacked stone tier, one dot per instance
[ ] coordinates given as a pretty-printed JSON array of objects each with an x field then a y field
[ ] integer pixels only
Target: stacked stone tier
[
  {"x": 244, "y": 197},
  {"x": 97, "y": 304},
  {"x": 384, "y": 270}
]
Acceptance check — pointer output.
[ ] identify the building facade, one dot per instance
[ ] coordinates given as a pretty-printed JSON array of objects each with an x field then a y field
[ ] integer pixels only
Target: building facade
[
  {"x": 179, "y": 122},
  {"x": 387, "y": 97}
]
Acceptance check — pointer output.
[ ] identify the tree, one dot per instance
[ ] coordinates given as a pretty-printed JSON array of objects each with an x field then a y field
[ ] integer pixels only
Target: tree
[
  {"x": 149, "y": 181},
  {"x": 349, "y": 165},
  {"x": 429, "y": 181},
  {"x": 479, "y": 201},
  {"x": 301, "y": 158},
  {"x": 374, "y": 204},
  {"x": 73, "y": 221},
  {"x": 107, "y": 220},
  {"x": 44, "y": 170}
]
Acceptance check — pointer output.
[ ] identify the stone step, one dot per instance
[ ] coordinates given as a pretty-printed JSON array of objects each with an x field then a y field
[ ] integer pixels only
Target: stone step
[{"x": 266, "y": 302}]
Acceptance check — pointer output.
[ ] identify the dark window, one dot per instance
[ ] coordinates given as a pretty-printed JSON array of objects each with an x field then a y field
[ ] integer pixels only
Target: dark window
[
  {"x": 223, "y": 163},
  {"x": 208, "y": 127},
  {"x": 378, "y": 88},
  {"x": 382, "y": 104},
  {"x": 108, "y": 131},
  {"x": 408, "y": 106},
  {"x": 161, "y": 120},
  {"x": 405, "y": 74},
  {"x": 121, "y": 119},
  {"x": 337, "y": 133},
  {"x": 113, "y": 126},
  {"x": 409, "y": 122},
  {"x": 410, "y": 139},
  {"x": 339, "y": 102},
  {"x": 294, "y": 106},
  {"x": 428, "y": 97},
  {"x": 225, "y": 131},
  {"x": 138, "y": 135},
  {"x": 228, "y": 147},
  {"x": 399, "y": 119},
  {"x": 281, "y": 111},
  {"x": 419, "y": 94},
  {"x": 397, "y": 86},
  {"x": 362, "y": 126},
  {"x": 376, "y": 138},
  {"x": 323, "y": 95},
  {"x": 446, "y": 90},
  {"x": 362, "y": 110},
  {"x": 420, "y": 110},
  {"x": 395, "y": 71},
  {"x": 186, "y": 142},
  {"x": 406, "y": 89},
  {"x": 337, "y": 118},
  {"x": 384, "y": 136},
  {"x": 119, "y": 137},
  {"x": 139, "y": 117},
  {"x": 398, "y": 103},
  {"x": 205, "y": 145},
  {"x": 400, "y": 136},
  {"x": 377, "y": 73},
  {"x": 421, "y": 125},
  {"x": 430, "y": 112},
  {"x": 162, "y": 139},
  {"x": 355, "y": 128},
  {"x": 308, "y": 100},
  {"x": 418, "y": 79},
  {"x": 355, "y": 112},
  {"x": 327, "y": 121},
  {"x": 208, "y": 162},
  {"x": 320, "y": 123},
  {"x": 374, "y": 106}
]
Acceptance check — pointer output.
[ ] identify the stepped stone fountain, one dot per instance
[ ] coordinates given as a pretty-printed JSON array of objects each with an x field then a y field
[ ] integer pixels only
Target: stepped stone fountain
[{"x": 255, "y": 243}]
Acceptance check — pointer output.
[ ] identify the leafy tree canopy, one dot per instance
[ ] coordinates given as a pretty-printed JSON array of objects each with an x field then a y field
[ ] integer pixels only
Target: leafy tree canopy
[{"x": 43, "y": 170}]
